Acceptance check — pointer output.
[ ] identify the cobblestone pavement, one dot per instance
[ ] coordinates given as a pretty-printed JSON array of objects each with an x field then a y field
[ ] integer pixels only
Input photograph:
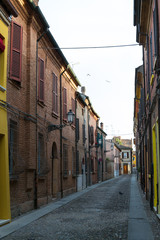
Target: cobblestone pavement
[
  {"x": 152, "y": 218},
  {"x": 100, "y": 214}
]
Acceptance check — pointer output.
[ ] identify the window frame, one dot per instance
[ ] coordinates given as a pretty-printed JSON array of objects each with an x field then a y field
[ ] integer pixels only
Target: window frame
[
  {"x": 55, "y": 94},
  {"x": 64, "y": 104},
  {"x": 13, "y": 49},
  {"x": 41, "y": 80}
]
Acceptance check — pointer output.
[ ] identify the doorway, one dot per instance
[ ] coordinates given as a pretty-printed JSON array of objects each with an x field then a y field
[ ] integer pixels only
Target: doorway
[{"x": 125, "y": 168}]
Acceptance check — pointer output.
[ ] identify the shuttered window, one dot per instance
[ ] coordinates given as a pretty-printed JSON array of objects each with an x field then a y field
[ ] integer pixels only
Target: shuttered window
[
  {"x": 73, "y": 162},
  {"x": 73, "y": 109},
  {"x": 16, "y": 52},
  {"x": 155, "y": 23},
  {"x": 13, "y": 133},
  {"x": 64, "y": 103},
  {"x": 41, "y": 80},
  {"x": 65, "y": 160},
  {"x": 91, "y": 135},
  {"x": 77, "y": 129},
  {"x": 84, "y": 133},
  {"x": 55, "y": 94},
  {"x": 151, "y": 53}
]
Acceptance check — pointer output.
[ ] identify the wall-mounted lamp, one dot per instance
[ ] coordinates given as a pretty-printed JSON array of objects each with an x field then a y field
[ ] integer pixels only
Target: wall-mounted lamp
[{"x": 70, "y": 119}]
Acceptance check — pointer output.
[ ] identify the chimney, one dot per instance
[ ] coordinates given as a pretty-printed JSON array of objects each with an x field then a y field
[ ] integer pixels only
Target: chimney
[
  {"x": 35, "y": 2},
  {"x": 83, "y": 90},
  {"x": 101, "y": 124}
]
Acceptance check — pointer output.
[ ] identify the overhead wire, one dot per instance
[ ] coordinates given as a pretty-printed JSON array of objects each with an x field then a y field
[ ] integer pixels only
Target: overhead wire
[{"x": 93, "y": 47}]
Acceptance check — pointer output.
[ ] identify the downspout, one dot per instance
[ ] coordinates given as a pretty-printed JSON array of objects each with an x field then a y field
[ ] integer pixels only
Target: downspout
[
  {"x": 89, "y": 163},
  {"x": 61, "y": 122},
  {"x": 76, "y": 140},
  {"x": 97, "y": 151},
  {"x": 150, "y": 131},
  {"x": 36, "y": 169}
]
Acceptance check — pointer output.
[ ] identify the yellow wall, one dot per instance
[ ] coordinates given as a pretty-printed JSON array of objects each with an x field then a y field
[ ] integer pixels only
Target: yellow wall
[
  {"x": 4, "y": 161},
  {"x": 134, "y": 160},
  {"x": 158, "y": 162}
]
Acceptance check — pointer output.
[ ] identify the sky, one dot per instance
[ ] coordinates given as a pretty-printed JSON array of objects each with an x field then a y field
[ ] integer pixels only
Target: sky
[{"x": 107, "y": 73}]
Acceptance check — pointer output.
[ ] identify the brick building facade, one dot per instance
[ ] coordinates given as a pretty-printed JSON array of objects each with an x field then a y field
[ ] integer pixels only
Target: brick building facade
[{"x": 41, "y": 90}]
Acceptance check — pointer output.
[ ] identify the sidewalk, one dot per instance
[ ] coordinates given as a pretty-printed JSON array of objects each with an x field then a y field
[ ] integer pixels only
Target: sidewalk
[
  {"x": 36, "y": 214},
  {"x": 138, "y": 225}
]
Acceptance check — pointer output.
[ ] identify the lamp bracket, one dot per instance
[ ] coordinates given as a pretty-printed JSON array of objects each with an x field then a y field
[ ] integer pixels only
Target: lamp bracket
[{"x": 53, "y": 127}]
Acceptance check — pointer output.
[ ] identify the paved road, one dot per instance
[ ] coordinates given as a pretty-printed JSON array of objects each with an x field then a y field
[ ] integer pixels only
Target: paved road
[{"x": 101, "y": 213}]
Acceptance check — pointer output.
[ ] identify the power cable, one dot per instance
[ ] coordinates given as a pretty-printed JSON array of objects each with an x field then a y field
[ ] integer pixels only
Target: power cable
[{"x": 94, "y": 47}]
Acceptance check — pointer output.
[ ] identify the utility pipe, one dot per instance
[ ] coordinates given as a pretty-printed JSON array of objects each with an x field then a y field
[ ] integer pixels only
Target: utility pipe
[
  {"x": 36, "y": 169},
  {"x": 61, "y": 122}
]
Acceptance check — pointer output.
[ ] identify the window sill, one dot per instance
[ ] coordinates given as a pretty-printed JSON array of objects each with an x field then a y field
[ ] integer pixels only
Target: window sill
[
  {"x": 40, "y": 103},
  {"x": 2, "y": 89},
  {"x": 55, "y": 115},
  {"x": 14, "y": 83}
]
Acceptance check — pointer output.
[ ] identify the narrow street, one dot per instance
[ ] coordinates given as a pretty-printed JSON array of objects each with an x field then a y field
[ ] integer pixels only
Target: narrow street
[{"x": 103, "y": 212}]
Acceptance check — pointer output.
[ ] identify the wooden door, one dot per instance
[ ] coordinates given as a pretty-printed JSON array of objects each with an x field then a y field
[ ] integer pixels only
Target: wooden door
[{"x": 125, "y": 169}]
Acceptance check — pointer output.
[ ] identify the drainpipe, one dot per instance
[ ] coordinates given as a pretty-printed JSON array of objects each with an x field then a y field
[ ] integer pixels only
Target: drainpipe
[
  {"x": 89, "y": 164},
  {"x": 36, "y": 169},
  {"x": 150, "y": 130},
  {"x": 61, "y": 122},
  {"x": 76, "y": 142}
]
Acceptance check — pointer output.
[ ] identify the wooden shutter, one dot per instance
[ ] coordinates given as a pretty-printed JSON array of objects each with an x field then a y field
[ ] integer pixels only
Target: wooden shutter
[
  {"x": 73, "y": 109},
  {"x": 64, "y": 103},
  {"x": 155, "y": 23},
  {"x": 91, "y": 135},
  {"x": 77, "y": 129},
  {"x": 65, "y": 160},
  {"x": 41, "y": 80},
  {"x": 12, "y": 146},
  {"x": 16, "y": 52},
  {"x": 84, "y": 133},
  {"x": 151, "y": 53},
  {"x": 55, "y": 94}
]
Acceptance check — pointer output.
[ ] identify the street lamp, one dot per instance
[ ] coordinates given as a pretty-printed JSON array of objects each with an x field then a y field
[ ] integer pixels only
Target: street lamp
[{"x": 70, "y": 119}]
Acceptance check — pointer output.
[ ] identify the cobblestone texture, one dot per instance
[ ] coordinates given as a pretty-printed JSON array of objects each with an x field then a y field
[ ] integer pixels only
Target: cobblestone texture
[
  {"x": 100, "y": 214},
  {"x": 152, "y": 218}
]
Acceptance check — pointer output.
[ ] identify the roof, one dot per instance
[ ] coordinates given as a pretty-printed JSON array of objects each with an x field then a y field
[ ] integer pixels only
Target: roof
[
  {"x": 53, "y": 41},
  {"x": 84, "y": 97},
  {"x": 102, "y": 131},
  {"x": 9, "y": 7},
  {"x": 123, "y": 147}
]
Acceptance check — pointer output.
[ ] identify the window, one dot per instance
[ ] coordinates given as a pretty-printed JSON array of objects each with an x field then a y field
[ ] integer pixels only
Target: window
[
  {"x": 92, "y": 165},
  {"x": 155, "y": 22},
  {"x": 16, "y": 52},
  {"x": 65, "y": 160},
  {"x": 77, "y": 162},
  {"x": 73, "y": 108},
  {"x": 12, "y": 146},
  {"x": 2, "y": 48},
  {"x": 73, "y": 162},
  {"x": 125, "y": 155},
  {"x": 91, "y": 135},
  {"x": 151, "y": 53},
  {"x": 55, "y": 94},
  {"x": 64, "y": 103},
  {"x": 77, "y": 129},
  {"x": 84, "y": 133},
  {"x": 41, "y": 80},
  {"x": 41, "y": 154}
]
